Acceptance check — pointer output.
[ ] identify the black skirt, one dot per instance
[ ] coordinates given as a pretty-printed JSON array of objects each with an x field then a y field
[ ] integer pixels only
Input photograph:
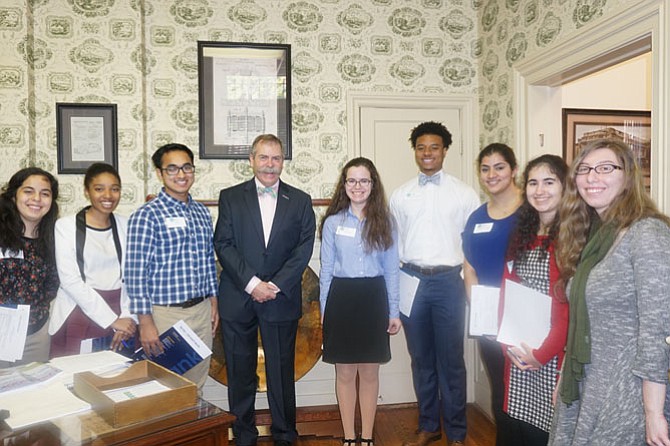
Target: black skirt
[{"x": 355, "y": 322}]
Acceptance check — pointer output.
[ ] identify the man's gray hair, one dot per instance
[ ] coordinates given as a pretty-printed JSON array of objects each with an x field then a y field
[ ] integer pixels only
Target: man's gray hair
[{"x": 266, "y": 138}]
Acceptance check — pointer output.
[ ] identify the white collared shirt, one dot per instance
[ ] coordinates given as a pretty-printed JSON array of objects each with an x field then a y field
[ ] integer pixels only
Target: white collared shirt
[
  {"x": 431, "y": 219},
  {"x": 268, "y": 205}
]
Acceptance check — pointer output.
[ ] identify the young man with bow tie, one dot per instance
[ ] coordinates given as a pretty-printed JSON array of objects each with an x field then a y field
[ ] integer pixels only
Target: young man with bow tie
[{"x": 431, "y": 211}]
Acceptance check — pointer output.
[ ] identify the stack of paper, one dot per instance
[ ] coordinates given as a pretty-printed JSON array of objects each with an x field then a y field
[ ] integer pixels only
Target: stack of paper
[
  {"x": 40, "y": 404},
  {"x": 26, "y": 376}
]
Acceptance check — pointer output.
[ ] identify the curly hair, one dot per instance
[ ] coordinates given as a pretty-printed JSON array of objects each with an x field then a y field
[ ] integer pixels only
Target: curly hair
[
  {"x": 431, "y": 128},
  {"x": 378, "y": 230},
  {"x": 631, "y": 205},
  {"x": 12, "y": 227},
  {"x": 528, "y": 222}
]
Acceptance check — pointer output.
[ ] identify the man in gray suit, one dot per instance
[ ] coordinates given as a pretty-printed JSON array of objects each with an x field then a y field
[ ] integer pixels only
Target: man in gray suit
[{"x": 264, "y": 239}]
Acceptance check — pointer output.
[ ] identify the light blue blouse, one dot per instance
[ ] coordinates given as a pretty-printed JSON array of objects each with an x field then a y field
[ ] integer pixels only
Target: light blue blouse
[{"x": 343, "y": 255}]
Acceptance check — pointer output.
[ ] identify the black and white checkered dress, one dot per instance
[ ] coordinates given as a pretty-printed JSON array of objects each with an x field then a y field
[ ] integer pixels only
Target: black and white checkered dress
[{"x": 530, "y": 391}]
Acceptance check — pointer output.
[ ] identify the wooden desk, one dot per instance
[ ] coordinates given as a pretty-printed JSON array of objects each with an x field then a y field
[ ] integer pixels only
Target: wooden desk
[{"x": 202, "y": 425}]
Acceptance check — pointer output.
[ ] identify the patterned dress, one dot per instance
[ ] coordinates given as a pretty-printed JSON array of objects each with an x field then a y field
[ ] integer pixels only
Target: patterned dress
[
  {"x": 528, "y": 393},
  {"x": 26, "y": 278}
]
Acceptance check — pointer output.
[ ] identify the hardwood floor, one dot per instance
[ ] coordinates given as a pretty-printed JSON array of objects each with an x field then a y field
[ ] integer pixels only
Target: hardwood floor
[{"x": 392, "y": 426}]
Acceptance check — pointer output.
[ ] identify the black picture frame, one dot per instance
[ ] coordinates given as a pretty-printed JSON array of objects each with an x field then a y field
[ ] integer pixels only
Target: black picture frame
[
  {"x": 86, "y": 134},
  {"x": 244, "y": 90},
  {"x": 582, "y": 125}
]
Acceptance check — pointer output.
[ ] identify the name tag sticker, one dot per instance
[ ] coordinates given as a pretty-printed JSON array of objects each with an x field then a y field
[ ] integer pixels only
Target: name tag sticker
[
  {"x": 175, "y": 222},
  {"x": 483, "y": 227},
  {"x": 11, "y": 254},
  {"x": 347, "y": 232}
]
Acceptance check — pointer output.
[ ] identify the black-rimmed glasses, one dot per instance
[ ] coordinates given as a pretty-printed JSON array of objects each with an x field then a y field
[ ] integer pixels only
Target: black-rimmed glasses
[
  {"x": 583, "y": 169},
  {"x": 351, "y": 182},
  {"x": 172, "y": 170}
]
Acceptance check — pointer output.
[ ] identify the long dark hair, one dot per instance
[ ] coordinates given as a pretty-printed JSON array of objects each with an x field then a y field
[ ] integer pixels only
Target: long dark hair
[
  {"x": 378, "y": 229},
  {"x": 528, "y": 223},
  {"x": 11, "y": 225}
]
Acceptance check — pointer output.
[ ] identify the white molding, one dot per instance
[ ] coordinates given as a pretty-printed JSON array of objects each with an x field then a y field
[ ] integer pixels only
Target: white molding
[{"x": 634, "y": 29}]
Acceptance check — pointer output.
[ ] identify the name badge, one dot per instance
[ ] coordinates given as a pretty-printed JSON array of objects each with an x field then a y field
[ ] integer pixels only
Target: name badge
[
  {"x": 345, "y": 231},
  {"x": 9, "y": 254},
  {"x": 483, "y": 227},
  {"x": 175, "y": 222}
]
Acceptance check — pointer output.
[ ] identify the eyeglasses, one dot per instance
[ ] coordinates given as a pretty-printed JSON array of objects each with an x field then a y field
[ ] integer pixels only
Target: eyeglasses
[
  {"x": 583, "y": 169},
  {"x": 172, "y": 170},
  {"x": 351, "y": 182}
]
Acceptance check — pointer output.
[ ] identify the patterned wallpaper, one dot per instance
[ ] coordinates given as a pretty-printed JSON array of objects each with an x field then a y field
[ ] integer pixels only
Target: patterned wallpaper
[{"x": 142, "y": 56}]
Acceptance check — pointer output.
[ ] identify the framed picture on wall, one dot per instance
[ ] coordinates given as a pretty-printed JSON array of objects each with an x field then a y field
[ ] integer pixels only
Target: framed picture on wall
[
  {"x": 244, "y": 91},
  {"x": 581, "y": 126},
  {"x": 86, "y": 134}
]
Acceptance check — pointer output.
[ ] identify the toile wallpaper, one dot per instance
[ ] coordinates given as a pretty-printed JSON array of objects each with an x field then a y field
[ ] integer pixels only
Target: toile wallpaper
[{"x": 142, "y": 56}]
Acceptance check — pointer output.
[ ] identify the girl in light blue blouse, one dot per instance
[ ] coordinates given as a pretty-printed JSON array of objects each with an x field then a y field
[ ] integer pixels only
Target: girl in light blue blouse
[{"x": 359, "y": 291}]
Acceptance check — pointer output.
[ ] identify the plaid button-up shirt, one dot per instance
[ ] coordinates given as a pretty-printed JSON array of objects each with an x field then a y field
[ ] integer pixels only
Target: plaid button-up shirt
[{"x": 169, "y": 254}]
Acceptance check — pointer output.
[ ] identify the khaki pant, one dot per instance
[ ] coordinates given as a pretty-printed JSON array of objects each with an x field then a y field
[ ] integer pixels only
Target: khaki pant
[{"x": 199, "y": 318}]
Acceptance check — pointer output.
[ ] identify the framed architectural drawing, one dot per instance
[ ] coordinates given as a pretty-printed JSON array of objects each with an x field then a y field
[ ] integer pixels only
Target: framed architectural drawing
[
  {"x": 244, "y": 91},
  {"x": 86, "y": 134},
  {"x": 580, "y": 126}
]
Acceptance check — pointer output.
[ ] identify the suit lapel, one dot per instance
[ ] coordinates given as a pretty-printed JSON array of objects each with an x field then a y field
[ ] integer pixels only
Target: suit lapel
[
  {"x": 251, "y": 199},
  {"x": 283, "y": 202}
]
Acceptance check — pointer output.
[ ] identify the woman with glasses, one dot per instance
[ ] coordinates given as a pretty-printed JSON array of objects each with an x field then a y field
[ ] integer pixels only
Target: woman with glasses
[
  {"x": 89, "y": 253},
  {"x": 613, "y": 250},
  {"x": 485, "y": 240},
  {"x": 531, "y": 373},
  {"x": 28, "y": 276},
  {"x": 359, "y": 291}
]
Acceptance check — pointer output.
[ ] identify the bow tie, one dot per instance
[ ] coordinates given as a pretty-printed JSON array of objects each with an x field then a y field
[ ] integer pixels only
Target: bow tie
[
  {"x": 425, "y": 179},
  {"x": 266, "y": 190}
]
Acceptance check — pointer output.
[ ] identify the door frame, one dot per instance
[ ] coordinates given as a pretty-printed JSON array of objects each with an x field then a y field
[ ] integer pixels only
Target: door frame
[
  {"x": 466, "y": 105},
  {"x": 634, "y": 29}
]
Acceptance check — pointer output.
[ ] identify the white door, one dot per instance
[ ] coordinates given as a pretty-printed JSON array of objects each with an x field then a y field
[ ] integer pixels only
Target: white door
[
  {"x": 381, "y": 128},
  {"x": 385, "y": 140}
]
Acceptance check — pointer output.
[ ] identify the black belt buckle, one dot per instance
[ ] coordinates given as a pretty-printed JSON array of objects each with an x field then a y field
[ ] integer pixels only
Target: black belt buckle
[{"x": 192, "y": 302}]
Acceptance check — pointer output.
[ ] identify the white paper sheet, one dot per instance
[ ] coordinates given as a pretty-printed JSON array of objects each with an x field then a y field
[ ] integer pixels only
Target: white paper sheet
[
  {"x": 13, "y": 331},
  {"x": 408, "y": 286},
  {"x": 43, "y": 403},
  {"x": 100, "y": 363},
  {"x": 136, "y": 391},
  {"x": 484, "y": 310},
  {"x": 526, "y": 316}
]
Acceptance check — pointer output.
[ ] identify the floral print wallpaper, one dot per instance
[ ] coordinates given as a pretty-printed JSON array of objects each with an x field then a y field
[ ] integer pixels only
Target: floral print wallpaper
[{"x": 142, "y": 56}]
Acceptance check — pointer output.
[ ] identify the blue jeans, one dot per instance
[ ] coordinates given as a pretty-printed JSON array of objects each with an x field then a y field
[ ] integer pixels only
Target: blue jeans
[{"x": 434, "y": 333}]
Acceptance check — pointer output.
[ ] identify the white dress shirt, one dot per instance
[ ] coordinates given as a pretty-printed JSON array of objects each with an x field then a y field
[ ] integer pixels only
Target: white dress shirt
[{"x": 431, "y": 219}]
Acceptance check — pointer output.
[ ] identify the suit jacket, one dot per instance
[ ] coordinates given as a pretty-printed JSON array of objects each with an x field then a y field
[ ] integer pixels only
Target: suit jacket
[{"x": 240, "y": 247}]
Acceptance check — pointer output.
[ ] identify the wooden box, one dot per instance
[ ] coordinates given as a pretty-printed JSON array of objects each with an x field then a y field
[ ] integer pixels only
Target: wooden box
[{"x": 90, "y": 387}]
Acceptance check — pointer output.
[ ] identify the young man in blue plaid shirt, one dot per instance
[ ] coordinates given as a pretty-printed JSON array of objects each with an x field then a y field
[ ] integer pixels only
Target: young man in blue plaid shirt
[{"x": 170, "y": 269}]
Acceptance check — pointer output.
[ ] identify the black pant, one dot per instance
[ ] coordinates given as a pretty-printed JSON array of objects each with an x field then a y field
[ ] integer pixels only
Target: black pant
[
  {"x": 519, "y": 433},
  {"x": 494, "y": 363},
  {"x": 240, "y": 343}
]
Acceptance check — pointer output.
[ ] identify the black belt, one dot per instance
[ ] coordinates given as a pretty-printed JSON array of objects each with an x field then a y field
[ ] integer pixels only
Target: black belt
[
  {"x": 188, "y": 304},
  {"x": 429, "y": 270}
]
